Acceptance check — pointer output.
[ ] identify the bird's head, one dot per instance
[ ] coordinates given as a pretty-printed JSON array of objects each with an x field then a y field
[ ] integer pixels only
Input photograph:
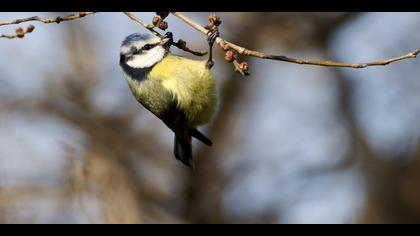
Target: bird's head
[{"x": 144, "y": 50}]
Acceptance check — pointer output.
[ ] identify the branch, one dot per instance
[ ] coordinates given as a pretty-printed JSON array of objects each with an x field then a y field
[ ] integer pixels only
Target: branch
[
  {"x": 47, "y": 20},
  {"x": 181, "y": 44},
  {"x": 246, "y": 52},
  {"x": 226, "y": 45},
  {"x": 20, "y": 33},
  {"x": 145, "y": 25},
  {"x": 8, "y": 36}
]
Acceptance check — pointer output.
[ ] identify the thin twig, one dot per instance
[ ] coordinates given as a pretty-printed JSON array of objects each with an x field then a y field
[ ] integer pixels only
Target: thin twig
[
  {"x": 144, "y": 24},
  {"x": 247, "y": 52},
  {"x": 8, "y": 36},
  {"x": 20, "y": 33},
  {"x": 238, "y": 69},
  {"x": 47, "y": 20},
  {"x": 187, "y": 49},
  {"x": 153, "y": 31}
]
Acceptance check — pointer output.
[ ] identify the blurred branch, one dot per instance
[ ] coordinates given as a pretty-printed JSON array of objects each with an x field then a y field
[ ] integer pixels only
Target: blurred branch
[
  {"x": 47, "y": 20},
  {"x": 8, "y": 36},
  {"x": 226, "y": 45},
  {"x": 20, "y": 33}
]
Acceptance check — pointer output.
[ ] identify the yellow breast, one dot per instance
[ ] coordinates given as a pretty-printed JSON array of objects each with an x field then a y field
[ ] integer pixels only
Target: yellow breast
[{"x": 191, "y": 83}]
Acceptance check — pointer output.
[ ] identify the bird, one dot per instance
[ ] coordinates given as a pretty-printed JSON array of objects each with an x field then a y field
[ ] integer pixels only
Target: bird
[{"x": 179, "y": 91}]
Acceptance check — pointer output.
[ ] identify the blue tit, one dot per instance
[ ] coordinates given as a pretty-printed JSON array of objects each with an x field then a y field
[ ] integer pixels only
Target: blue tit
[{"x": 179, "y": 91}]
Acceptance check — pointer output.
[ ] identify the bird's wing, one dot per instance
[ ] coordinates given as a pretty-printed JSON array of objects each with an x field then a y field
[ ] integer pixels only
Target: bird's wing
[{"x": 191, "y": 83}]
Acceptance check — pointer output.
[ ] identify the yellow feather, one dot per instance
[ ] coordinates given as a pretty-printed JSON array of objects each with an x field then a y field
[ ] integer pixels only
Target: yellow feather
[{"x": 192, "y": 83}]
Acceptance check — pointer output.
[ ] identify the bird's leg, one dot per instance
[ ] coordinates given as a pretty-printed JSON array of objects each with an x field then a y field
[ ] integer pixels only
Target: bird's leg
[{"x": 213, "y": 34}]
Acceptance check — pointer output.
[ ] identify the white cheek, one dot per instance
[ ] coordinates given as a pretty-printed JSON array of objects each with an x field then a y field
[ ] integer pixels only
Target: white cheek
[
  {"x": 125, "y": 49},
  {"x": 147, "y": 59}
]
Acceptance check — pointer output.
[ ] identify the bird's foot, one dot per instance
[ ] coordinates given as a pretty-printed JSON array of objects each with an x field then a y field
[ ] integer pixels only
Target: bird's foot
[{"x": 212, "y": 36}]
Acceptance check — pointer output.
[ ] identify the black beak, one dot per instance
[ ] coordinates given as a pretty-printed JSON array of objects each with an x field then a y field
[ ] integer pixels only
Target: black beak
[{"x": 167, "y": 40}]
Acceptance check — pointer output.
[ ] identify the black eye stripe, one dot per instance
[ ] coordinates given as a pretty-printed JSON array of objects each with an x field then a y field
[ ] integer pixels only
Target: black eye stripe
[
  {"x": 146, "y": 47},
  {"x": 149, "y": 46}
]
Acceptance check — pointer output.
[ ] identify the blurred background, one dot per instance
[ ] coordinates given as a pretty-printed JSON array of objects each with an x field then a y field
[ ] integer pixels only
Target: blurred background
[{"x": 292, "y": 143}]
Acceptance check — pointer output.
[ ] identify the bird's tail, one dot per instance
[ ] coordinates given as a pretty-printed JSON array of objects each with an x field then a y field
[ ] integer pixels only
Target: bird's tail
[
  {"x": 183, "y": 146},
  {"x": 198, "y": 135},
  {"x": 183, "y": 151}
]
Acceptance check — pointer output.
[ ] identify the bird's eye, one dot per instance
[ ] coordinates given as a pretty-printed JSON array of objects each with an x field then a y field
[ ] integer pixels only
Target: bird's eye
[{"x": 147, "y": 47}]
